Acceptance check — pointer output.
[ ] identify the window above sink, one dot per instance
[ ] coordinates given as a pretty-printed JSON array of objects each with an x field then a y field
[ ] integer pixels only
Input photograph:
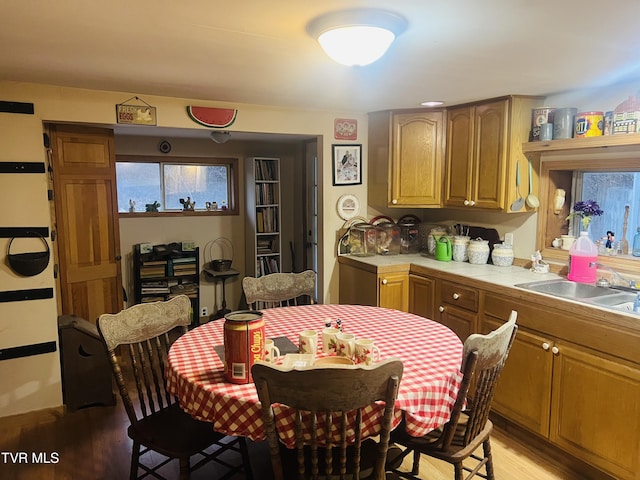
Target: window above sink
[{"x": 575, "y": 166}]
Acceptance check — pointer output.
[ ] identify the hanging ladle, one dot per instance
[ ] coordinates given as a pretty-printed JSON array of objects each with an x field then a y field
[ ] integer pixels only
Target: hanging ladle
[
  {"x": 518, "y": 202},
  {"x": 532, "y": 200}
]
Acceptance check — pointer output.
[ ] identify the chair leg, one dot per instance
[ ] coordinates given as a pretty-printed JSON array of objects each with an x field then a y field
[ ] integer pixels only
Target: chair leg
[
  {"x": 135, "y": 459},
  {"x": 185, "y": 469},
  {"x": 458, "y": 471},
  {"x": 415, "y": 469},
  {"x": 486, "y": 446},
  {"x": 246, "y": 460}
]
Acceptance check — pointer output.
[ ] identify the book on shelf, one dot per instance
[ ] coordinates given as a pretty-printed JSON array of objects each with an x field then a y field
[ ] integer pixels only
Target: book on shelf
[{"x": 184, "y": 260}]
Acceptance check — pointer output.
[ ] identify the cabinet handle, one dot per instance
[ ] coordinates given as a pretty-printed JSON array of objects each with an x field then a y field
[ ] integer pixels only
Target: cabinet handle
[
  {"x": 472, "y": 203},
  {"x": 545, "y": 346},
  {"x": 441, "y": 309},
  {"x": 455, "y": 296},
  {"x": 466, "y": 203},
  {"x": 384, "y": 281},
  {"x": 555, "y": 350},
  {"x": 394, "y": 201}
]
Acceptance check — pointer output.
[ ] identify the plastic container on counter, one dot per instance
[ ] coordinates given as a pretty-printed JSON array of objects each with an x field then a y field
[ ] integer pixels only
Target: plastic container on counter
[
  {"x": 363, "y": 240},
  {"x": 583, "y": 257}
]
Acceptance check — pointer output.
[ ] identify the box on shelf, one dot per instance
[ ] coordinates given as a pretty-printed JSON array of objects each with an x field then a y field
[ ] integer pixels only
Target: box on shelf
[
  {"x": 146, "y": 248},
  {"x": 188, "y": 246}
]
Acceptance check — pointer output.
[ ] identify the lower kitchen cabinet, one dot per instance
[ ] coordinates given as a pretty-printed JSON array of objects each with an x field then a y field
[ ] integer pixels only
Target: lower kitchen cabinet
[
  {"x": 422, "y": 296},
  {"x": 457, "y": 307},
  {"x": 372, "y": 287},
  {"x": 448, "y": 303},
  {"x": 582, "y": 400}
]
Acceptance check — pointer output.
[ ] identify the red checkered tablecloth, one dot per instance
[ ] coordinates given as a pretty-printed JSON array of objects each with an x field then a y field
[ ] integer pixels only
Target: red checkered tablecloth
[{"x": 430, "y": 352}]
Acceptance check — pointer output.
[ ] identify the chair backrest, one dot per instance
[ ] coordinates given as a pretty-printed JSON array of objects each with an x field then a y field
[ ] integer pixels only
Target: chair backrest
[
  {"x": 279, "y": 289},
  {"x": 144, "y": 334},
  {"x": 321, "y": 396},
  {"x": 483, "y": 358}
]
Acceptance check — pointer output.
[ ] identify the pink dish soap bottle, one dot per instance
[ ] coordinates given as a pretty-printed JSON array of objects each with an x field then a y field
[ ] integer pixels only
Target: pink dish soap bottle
[{"x": 583, "y": 256}]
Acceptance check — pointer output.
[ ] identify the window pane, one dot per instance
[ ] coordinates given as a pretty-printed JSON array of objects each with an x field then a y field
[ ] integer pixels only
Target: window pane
[
  {"x": 202, "y": 183},
  {"x": 613, "y": 191},
  {"x": 138, "y": 183}
]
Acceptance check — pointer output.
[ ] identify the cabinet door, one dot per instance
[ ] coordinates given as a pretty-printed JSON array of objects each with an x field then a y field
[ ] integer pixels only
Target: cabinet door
[
  {"x": 459, "y": 156},
  {"x": 422, "y": 296},
  {"x": 523, "y": 393},
  {"x": 417, "y": 157},
  {"x": 357, "y": 286},
  {"x": 462, "y": 322},
  {"x": 394, "y": 291},
  {"x": 490, "y": 154},
  {"x": 595, "y": 410}
]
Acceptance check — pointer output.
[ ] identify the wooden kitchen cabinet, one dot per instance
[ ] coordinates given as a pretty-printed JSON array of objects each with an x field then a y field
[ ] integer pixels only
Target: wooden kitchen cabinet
[
  {"x": 360, "y": 286},
  {"x": 483, "y": 147},
  {"x": 457, "y": 308},
  {"x": 406, "y": 157},
  {"x": 446, "y": 302},
  {"x": 422, "y": 296},
  {"x": 582, "y": 400}
]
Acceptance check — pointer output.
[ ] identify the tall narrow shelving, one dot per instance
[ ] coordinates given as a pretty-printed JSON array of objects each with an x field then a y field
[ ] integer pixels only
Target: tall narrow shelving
[{"x": 263, "y": 216}]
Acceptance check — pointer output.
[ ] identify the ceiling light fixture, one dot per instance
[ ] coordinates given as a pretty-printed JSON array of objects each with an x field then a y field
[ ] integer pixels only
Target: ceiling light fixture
[
  {"x": 356, "y": 36},
  {"x": 220, "y": 136},
  {"x": 432, "y": 103}
]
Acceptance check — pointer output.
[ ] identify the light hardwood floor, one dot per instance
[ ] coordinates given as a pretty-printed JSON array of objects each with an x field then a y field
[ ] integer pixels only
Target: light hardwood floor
[{"x": 92, "y": 444}]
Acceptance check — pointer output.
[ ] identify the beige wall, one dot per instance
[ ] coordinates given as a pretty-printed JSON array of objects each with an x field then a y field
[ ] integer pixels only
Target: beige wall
[{"x": 34, "y": 382}]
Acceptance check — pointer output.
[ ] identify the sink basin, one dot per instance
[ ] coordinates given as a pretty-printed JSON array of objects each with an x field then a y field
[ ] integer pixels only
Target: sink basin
[
  {"x": 568, "y": 289},
  {"x": 614, "y": 300}
]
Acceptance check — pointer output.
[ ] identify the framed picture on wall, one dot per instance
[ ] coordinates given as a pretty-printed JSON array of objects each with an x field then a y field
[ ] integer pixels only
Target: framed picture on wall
[{"x": 347, "y": 164}]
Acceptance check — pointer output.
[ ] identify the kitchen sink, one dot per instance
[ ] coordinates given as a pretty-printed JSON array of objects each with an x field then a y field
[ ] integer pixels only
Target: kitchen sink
[
  {"x": 585, "y": 293},
  {"x": 568, "y": 289}
]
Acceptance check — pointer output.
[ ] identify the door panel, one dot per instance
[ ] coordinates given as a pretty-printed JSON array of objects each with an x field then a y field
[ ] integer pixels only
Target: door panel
[{"x": 86, "y": 220}]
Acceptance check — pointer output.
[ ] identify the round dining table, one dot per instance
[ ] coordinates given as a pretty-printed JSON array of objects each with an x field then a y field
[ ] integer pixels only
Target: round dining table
[{"x": 430, "y": 352}]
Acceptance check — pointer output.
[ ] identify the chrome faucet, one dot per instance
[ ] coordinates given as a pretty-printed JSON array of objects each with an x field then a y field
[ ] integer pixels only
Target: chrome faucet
[{"x": 626, "y": 282}]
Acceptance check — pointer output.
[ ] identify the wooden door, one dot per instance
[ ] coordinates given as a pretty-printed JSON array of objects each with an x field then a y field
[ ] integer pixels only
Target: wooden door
[
  {"x": 459, "y": 157},
  {"x": 422, "y": 296},
  {"x": 490, "y": 154},
  {"x": 418, "y": 151},
  {"x": 461, "y": 322},
  {"x": 88, "y": 239},
  {"x": 394, "y": 291},
  {"x": 596, "y": 411},
  {"x": 523, "y": 393}
]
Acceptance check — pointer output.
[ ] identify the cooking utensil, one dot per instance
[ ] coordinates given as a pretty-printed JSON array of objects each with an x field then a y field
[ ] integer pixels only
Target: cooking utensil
[
  {"x": 518, "y": 202},
  {"x": 532, "y": 200},
  {"x": 624, "y": 244}
]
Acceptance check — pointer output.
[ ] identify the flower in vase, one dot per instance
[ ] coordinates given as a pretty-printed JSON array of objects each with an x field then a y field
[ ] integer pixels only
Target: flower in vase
[{"x": 585, "y": 210}]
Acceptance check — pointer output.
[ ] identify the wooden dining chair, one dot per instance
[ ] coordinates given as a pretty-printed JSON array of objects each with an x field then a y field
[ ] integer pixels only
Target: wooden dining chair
[
  {"x": 138, "y": 340},
  {"x": 280, "y": 289},
  {"x": 322, "y": 396},
  {"x": 469, "y": 427}
]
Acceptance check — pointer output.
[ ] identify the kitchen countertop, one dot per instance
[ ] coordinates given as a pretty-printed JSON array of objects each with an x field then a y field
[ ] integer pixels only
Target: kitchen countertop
[{"x": 501, "y": 279}]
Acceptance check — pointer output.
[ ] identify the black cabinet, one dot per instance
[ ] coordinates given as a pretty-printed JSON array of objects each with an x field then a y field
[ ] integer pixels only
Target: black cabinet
[{"x": 164, "y": 273}]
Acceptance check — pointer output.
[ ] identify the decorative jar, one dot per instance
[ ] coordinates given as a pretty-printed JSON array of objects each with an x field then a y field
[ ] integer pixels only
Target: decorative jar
[
  {"x": 460, "y": 246},
  {"x": 502, "y": 255},
  {"x": 478, "y": 251}
]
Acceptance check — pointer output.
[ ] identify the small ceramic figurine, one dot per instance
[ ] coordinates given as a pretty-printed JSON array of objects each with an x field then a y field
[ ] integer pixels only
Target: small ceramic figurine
[
  {"x": 187, "y": 204},
  {"x": 132, "y": 206},
  {"x": 152, "y": 207},
  {"x": 610, "y": 239}
]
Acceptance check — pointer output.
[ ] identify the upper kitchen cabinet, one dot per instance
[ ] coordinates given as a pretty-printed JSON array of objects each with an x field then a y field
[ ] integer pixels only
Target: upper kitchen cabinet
[
  {"x": 484, "y": 150},
  {"x": 406, "y": 156}
]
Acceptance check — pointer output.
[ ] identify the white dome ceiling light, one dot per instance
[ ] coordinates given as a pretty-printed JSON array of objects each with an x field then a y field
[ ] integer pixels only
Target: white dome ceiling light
[
  {"x": 357, "y": 36},
  {"x": 220, "y": 136}
]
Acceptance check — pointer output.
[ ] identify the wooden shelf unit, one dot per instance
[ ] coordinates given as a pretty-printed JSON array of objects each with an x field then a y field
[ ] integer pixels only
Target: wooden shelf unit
[{"x": 160, "y": 276}]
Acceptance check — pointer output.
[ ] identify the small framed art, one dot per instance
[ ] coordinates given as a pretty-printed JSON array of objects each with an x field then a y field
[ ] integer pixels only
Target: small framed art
[{"x": 347, "y": 164}]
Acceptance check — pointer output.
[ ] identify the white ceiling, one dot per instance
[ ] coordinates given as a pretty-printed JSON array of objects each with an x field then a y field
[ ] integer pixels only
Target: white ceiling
[{"x": 257, "y": 51}]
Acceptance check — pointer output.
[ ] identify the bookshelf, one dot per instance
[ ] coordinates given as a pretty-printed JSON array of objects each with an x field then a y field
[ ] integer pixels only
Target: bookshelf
[
  {"x": 264, "y": 242},
  {"x": 161, "y": 275}
]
